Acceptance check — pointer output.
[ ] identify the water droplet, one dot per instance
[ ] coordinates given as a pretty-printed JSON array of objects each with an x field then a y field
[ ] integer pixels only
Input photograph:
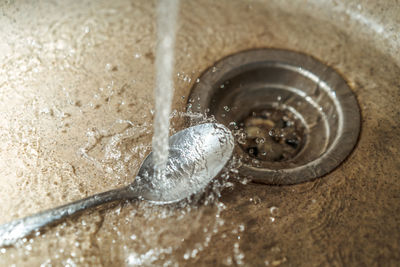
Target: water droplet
[
  {"x": 272, "y": 132},
  {"x": 186, "y": 256},
  {"x": 273, "y": 210},
  {"x": 260, "y": 140}
]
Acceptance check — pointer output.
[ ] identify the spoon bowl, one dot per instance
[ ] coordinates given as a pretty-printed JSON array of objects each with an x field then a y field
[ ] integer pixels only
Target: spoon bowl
[{"x": 197, "y": 154}]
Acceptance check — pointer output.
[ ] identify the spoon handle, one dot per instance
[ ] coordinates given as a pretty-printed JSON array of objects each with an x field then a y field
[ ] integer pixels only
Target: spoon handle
[{"x": 12, "y": 231}]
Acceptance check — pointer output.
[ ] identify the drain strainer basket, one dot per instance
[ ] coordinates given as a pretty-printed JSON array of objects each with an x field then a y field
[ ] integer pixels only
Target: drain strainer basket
[{"x": 294, "y": 118}]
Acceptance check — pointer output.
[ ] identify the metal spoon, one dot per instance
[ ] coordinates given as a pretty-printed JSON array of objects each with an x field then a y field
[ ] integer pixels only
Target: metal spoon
[{"x": 197, "y": 154}]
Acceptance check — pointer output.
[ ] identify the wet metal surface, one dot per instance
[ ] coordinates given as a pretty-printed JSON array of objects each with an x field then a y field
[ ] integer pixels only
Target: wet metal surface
[{"x": 306, "y": 93}]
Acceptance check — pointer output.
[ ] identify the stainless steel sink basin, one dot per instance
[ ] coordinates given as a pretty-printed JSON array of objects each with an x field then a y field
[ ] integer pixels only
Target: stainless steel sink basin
[{"x": 76, "y": 103}]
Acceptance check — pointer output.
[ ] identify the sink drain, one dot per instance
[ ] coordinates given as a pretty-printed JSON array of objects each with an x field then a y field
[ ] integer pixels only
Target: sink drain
[
  {"x": 294, "y": 118},
  {"x": 271, "y": 135}
]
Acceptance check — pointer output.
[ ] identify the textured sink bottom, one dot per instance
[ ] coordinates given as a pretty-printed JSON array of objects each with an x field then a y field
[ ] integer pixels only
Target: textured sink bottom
[{"x": 76, "y": 86}]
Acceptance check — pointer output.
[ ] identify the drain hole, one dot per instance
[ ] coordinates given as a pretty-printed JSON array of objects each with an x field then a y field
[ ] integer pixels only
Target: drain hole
[
  {"x": 271, "y": 135},
  {"x": 294, "y": 118}
]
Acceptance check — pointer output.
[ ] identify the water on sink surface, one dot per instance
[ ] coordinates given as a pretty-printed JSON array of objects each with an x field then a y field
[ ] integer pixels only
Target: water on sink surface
[{"x": 76, "y": 112}]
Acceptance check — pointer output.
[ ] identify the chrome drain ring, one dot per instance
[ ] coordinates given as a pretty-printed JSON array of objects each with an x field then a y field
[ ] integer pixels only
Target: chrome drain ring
[{"x": 265, "y": 80}]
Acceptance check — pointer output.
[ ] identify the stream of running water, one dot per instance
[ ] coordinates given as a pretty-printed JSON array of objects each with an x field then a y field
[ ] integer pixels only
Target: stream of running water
[{"x": 166, "y": 20}]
